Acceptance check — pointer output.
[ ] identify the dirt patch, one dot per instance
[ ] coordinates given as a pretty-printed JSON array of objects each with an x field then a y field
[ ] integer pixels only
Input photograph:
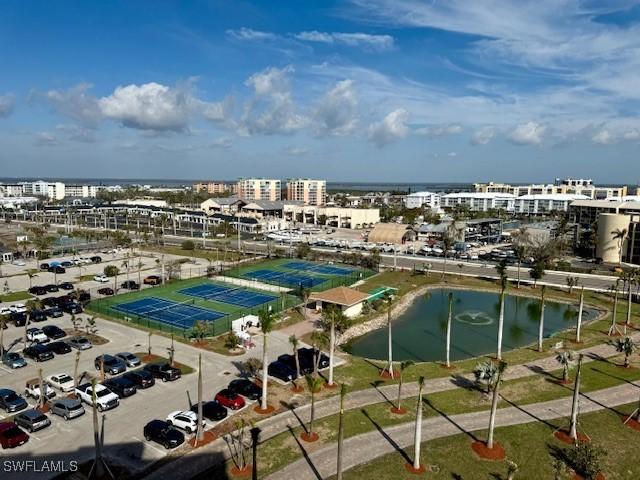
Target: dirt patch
[
  {"x": 485, "y": 453},
  {"x": 208, "y": 437},
  {"x": 564, "y": 437}
]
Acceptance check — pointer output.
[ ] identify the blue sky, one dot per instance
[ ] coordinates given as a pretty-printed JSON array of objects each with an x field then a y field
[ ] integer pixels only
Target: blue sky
[{"x": 354, "y": 90}]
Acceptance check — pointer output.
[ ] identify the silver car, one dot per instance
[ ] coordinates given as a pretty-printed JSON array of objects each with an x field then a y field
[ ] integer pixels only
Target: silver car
[
  {"x": 129, "y": 359},
  {"x": 66, "y": 408},
  {"x": 32, "y": 420},
  {"x": 13, "y": 360},
  {"x": 80, "y": 343}
]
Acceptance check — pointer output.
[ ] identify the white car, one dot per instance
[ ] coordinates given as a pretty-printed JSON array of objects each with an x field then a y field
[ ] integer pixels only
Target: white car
[
  {"x": 61, "y": 381},
  {"x": 101, "y": 278},
  {"x": 19, "y": 263},
  {"x": 5, "y": 311},
  {"x": 186, "y": 420},
  {"x": 18, "y": 308},
  {"x": 36, "y": 335}
]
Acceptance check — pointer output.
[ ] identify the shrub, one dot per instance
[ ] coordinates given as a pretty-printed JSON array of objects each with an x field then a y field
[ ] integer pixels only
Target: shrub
[
  {"x": 231, "y": 341},
  {"x": 585, "y": 459},
  {"x": 188, "y": 245},
  {"x": 251, "y": 367},
  {"x": 111, "y": 271}
]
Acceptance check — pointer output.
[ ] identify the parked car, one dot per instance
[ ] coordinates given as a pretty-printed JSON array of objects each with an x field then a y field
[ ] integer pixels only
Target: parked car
[
  {"x": 38, "y": 290},
  {"x": 306, "y": 363},
  {"x": 185, "y": 420},
  {"x": 105, "y": 398},
  {"x": 96, "y": 259},
  {"x": 229, "y": 399},
  {"x": 11, "y": 402},
  {"x": 32, "y": 389},
  {"x": 11, "y": 436},
  {"x": 53, "y": 312},
  {"x": 66, "y": 264},
  {"x": 112, "y": 364},
  {"x": 13, "y": 360},
  {"x": 121, "y": 386},
  {"x": 38, "y": 352},
  {"x": 71, "y": 308},
  {"x": 44, "y": 266},
  {"x": 66, "y": 408},
  {"x": 57, "y": 269},
  {"x": 163, "y": 371},
  {"x": 53, "y": 332},
  {"x": 18, "y": 319},
  {"x": 141, "y": 378},
  {"x": 5, "y": 311},
  {"x": 102, "y": 278},
  {"x": 51, "y": 288},
  {"x": 59, "y": 347},
  {"x": 32, "y": 420},
  {"x": 129, "y": 359},
  {"x": 152, "y": 280},
  {"x": 61, "y": 381},
  {"x": 80, "y": 343},
  {"x": 81, "y": 296},
  {"x": 66, "y": 286},
  {"x": 281, "y": 371},
  {"x": 211, "y": 410},
  {"x": 246, "y": 388},
  {"x": 49, "y": 302},
  {"x": 18, "y": 308},
  {"x": 106, "y": 291},
  {"x": 163, "y": 433},
  {"x": 37, "y": 316},
  {"x": 130, "y": 285},
  {"x": 36, "y": 335},
  {"x": 309, "y": 354}
]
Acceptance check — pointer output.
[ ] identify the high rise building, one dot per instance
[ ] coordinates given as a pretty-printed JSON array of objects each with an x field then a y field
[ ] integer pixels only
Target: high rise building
[
  {"x": 259, "y": 189},
  {"x": 311, "y": 192},
  {"x": 211, "y": 187}
]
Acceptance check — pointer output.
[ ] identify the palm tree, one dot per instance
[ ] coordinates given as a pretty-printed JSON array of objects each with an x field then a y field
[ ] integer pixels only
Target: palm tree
[
  {"x": 388, "y": 299},
  {"x": 200, "y": 430},
  {"x": 632, "y": 278},
  {"x": 31, "y": 274},
  {"x": 541, "y": 323},
  {"x": 448, "y": 240},
  {"x": 314, "y": 384},
  {"x": 502, "y": 271},
  {"x": 295, "y": 344},
  {"x": 580, "y": 310},
  {"x": 75, "y": 371},
  {"x": 305, "y": 293},
  {"x": 3, "y": 324},
  {"x": 572, "y": 282},
  {"x": 619, "y": 234},
  {"x": 485, "y": 373},
  {"x": 417, "y": 436},
  {"x": 403, "y": 366},
  {"x": 626, "y": 346},
  {"x": 98, "y": 467},
  {"x": 448, "y": 349},
  {"x": 343, "y": 393},
  {"x": 512, "y": 468},
  {"x": 495, "y": 380},
  {"x": 566, "y": 359},
  {"x": 334, "y": 321},
  {"x": 614, "y": 314},
  {"x": 573, "y": 433},
  {"x": 267, "y": 322}
]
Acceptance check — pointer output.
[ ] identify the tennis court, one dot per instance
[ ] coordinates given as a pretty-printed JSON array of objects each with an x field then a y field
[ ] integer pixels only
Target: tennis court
[
  {"x": 317, "y": 268},
  {"x": 293, "y": 280},
  {"x": 233, "y": 296},
  {"x": 172, "y": 313}
]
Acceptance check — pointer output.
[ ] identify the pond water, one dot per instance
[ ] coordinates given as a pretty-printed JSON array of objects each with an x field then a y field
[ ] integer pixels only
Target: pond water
[{"x": 419, "y": 333}]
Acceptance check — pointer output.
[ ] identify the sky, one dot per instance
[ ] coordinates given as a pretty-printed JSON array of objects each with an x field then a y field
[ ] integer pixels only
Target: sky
[{"x": 352, "y": 90}]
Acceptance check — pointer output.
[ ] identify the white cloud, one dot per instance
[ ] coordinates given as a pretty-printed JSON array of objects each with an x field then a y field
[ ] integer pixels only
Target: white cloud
[
  {"x": 249, "y": 34},
  {"x": 483, "y": 135},
  {"x": 336, "y": 113},
  {"x": 76, "y": 103},
  {"x": 452, "y": 154},
  {"x": 391, "y": 128},
  {"x": 222, "y": 142},
  {"x": 440, "y": 130},
  {"x": 633, "y": 134},
  {"x": 296, "y": 151},
  {"x": 45, "y": 139},
  {"x": 603, "y": 137},
  {"x": 530, "y": 133},
  {"x": 358, "y": 39},
  {"x": 77, "y": 133},
  {"x": 7, "y": 103}
]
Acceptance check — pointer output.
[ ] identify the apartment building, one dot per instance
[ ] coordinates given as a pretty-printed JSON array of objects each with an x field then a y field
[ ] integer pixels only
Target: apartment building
[
  {"x": 420, "y": 199},
  {"x": 537, "y": 204},
  {"x": 308, "y": 191},
  {"x": 259, "y": 189},
  {"x": 479, "y": 201},
  {"x": 567, "y": 186},
  {"x": 211, "y": 187},
  {"x": 83, "y": 191}
]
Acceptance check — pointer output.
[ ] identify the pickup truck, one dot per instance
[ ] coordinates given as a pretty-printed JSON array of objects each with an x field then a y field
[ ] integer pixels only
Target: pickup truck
[
  {"x": 32, "y": 389},
  {"x": 105, "y": 398}
]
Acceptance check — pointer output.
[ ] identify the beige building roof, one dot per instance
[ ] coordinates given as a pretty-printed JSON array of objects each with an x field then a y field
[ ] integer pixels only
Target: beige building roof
[
  {"x": 340, "y": 296},
  {"x": 391, "y": 233}
]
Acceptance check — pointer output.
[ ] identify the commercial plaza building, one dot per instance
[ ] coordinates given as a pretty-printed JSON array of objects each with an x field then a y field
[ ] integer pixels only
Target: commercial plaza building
[
  {"x": 259, "y": 189},
  {"x": 310, "y": 192}
]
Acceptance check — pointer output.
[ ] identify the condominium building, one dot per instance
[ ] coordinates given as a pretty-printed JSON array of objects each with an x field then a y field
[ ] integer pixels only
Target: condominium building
[
  {"x": 310, "y": 192},
  {"x": 83, "y": 191},
  {"x": 420, "y": 199},
  {"x": 259, "y": 189},
  {"x": 544, "y": 203},
  {"x": 567, "y": 186},
  {"x": 211, "y": 187},
  {"x": 479, "y": 202}
]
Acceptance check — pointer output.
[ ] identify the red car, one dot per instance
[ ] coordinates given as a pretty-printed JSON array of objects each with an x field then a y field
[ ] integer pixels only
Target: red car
[
  {"x": 11, "y": 436},
  {"x": 229, "y": 399}
]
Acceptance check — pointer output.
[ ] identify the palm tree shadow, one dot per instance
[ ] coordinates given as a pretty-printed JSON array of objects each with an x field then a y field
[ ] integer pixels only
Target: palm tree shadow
[
  {"x": 387, "y": 437},
  {"x": 427, "y": 402},
  {"x": 527, "y": 412},
  {"x": 377, "y": 367},
  {"x": 616, "y": 377},
  {"x": 305, "y": 454},
  {"x": 597, "y": 357},
  {"x": 292, "y": 408},
  {"x": 464, "y": 382},
  {"x": 375, "y": 384},
  {"x": 541, "y": 371}
]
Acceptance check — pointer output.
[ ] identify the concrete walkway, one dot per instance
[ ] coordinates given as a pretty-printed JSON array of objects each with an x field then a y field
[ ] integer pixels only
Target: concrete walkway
[
  {"x": 191, "y": 465},
  {"x": 322, "y": 463}
]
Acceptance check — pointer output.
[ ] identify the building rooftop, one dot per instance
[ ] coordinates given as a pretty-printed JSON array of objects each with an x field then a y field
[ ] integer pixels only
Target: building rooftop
[
  {"x": 479, "y": 195},
  {"x": 553, "y": 196},
  {"x": 343, "y": 296}
]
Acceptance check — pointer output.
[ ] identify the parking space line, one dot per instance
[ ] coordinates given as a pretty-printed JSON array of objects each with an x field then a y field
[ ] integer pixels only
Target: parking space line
[{"x": 149, "y": 444}]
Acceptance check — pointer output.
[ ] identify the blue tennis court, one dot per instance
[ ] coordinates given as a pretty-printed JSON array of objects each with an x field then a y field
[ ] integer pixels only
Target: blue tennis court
[
  {"x": 318, "y": 268},
  {"x": 232, "y": 296},
  {"x": 292, "y": 280},
  {"x": 166, "y": 311}
]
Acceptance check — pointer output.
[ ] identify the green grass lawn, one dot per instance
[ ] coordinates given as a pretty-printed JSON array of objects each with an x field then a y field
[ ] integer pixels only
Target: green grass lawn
[
  {"x": 15, "y": 296},
  {"x": 210, "y": 254}
]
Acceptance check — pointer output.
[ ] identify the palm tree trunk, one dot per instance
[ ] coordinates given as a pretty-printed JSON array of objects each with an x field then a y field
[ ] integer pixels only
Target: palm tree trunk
[
  {"x": 541, "y": 324},
  {"x": 518, "y": 282},
  {"x": 332, "y": 347},
  {"x": 614, "y": 327},
  {"x": 98, "y": 465},
  {"x": 263, "y": 404},
  {"x": 573, "y": 433},
  {"x": 199, "y": 431},
  {"x": 494, "y": 408},
  {"x": 313, "y": 410},
  {"x": 449, "y": 330},
  {"x": 340, "y": 435},
  {"x": 399, "y": 403},
  {"x": 628, "y": 322},
  {"x": 417, "y": 436},
  {"x": 580, "y": 310},
  {"x": 295, "y": 354},
  {"x": 500, "y": 325},
  {"x": 390, "y": 365}
]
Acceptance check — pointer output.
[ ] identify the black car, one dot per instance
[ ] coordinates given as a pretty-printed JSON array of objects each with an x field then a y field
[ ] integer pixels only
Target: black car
[
  {"x": 141, "y": 378},
  {"x": 211, "y": 410},
  {"x": 121, "y": 386},
  {"x": 163, "y": 371},
  {"x": 37, "y": 316},
  {"x": 309, "y": 354},
  {"x": 59, "y": 347},
  {"x": 63, "y": 299},
  {"x": 96, "y": 259},
  {"x": 51, "y": 288},
  {"x": 53, "y": 312},
  {"x": 32, "y": 420},
  {"x": 38, "y": 352},
  {"x": 72, "y": 308},
  {"x": 106, "y": 291},
  {"x": 38, "y": 290},
  {"x": 82, "y": 296},
  {"x": 161, "y": 432},
  {"x": 130, "y": 285},
  {"x": 54, "y": 332},
  {"x": 281, "y": 371},
  {"x": 306, "y": 363},
  {"x": 44, "y": 266},
  {"x": 49, "y": 302},
  {"x": 246, "y": 388},
  {"x": 57, "y": 269},
  {"x": 18, "y": 319},
  {"x": 66, "y": 286}
]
